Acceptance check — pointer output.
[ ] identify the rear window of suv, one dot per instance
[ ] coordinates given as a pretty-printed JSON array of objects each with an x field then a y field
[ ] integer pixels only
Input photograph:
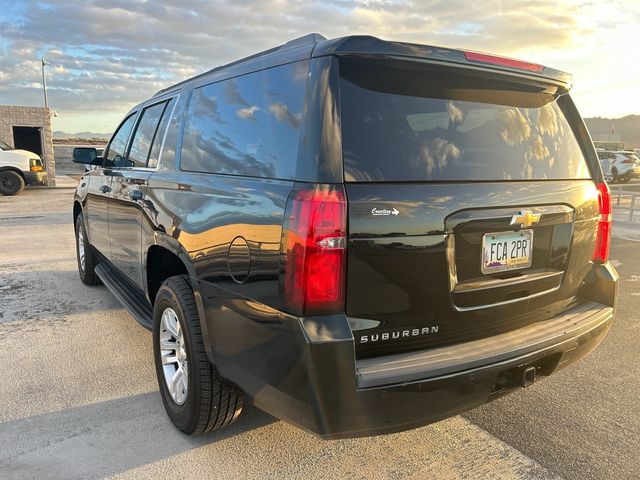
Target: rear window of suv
[{"x": 403, "y": 124}]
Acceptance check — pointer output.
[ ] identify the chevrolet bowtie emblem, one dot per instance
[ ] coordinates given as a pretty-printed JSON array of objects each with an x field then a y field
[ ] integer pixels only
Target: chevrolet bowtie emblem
[{"x": 526, "y": 218}]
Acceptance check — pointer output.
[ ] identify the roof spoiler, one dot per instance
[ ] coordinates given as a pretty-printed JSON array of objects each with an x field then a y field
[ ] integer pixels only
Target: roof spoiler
[{"x": 368, "y": 45}]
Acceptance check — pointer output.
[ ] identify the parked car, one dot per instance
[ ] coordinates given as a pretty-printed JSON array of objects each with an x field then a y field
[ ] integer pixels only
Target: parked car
[
  {"x": 619, "y": 166},
  {"x": 19, "y": 168},
  {"x": 357, "y": 236}
]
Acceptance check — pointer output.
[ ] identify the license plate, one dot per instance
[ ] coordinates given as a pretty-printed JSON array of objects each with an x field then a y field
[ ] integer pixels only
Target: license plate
[{"x": 506, "y": 251}]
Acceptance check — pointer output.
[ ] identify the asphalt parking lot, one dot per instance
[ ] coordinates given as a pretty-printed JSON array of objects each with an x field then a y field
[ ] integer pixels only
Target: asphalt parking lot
[{"x": 79, "y": 396}]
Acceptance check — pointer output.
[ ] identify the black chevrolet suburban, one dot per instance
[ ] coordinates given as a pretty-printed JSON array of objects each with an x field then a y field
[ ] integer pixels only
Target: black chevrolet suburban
[{"x": 357, "y": 236}]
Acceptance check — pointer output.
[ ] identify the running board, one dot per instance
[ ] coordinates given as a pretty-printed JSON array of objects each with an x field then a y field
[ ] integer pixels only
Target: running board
[{"x": 138, "y": 306}]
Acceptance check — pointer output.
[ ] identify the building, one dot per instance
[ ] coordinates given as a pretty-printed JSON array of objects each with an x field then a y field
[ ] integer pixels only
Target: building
[{"x": 29, "y": 128}]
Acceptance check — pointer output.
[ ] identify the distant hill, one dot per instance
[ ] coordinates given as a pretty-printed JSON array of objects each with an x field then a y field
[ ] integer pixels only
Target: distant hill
[
  {"x": 81, "y": 135},
  {"x": 627, "y": 127}
]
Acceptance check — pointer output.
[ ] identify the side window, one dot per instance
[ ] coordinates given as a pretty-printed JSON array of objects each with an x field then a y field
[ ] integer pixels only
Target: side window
[
  {"x": 248, "y": 125},
  {"x": 117, "y": 146},
  {"x": 159, "y": 135},
  {"x": 173, "y": 132},
  {"x": 144, "y": 135}
]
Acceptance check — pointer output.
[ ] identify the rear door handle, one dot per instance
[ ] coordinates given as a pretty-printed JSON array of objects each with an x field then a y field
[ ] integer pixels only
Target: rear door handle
[
  {"x": 135, "y": 194},
  {"x": 105, "y": 188}
]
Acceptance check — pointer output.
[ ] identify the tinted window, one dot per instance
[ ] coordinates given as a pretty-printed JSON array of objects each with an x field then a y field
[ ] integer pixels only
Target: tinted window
[
  {"x": 159, "y": 134},
  {"x": 172, "y": 136},
  {"x": 247, "y": 125},
  {"x": 118, "y": 144},
  {"x": 144, "y": 135},
  {"x": 401, "y": 124}
]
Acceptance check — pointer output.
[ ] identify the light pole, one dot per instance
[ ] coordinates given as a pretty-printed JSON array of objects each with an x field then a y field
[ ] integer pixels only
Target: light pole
[{"x": 44, "y": 83}]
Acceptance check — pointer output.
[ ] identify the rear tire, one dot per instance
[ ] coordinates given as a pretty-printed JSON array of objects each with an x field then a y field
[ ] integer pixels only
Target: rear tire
[
  {"x": 11, "y": 183},
  {"x": 199, "y": 400},
  {"x": 86, "y": 255}
]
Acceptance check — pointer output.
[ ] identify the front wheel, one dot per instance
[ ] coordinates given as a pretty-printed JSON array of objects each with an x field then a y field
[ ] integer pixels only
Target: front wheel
[
  {"x": 86, "y": 256},
  {"x": 11, "y": 183},
  {"x": 195, "y": 397}
]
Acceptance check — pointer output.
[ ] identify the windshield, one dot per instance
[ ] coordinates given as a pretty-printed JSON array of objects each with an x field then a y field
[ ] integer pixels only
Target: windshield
[
  {"x": 4, "y": 146},
  {"x": 402, "y": 124}
]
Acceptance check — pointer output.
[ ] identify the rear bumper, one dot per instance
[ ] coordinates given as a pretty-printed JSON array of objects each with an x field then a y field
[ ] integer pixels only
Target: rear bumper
[
  {"x": 304, "y": 369},
  {"x": 386, "y": 402},
  {"x": 562, "y": 334},
  {"x": 31, "y": 178}
]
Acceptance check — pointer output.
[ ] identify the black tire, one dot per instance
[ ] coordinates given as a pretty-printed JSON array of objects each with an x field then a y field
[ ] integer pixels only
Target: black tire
[
  {"x": 11, "y": 183},
  {"x": 614, "y": 174},
  {"x": 210, "y": 403},
  {"x": 88, "y": 272}
]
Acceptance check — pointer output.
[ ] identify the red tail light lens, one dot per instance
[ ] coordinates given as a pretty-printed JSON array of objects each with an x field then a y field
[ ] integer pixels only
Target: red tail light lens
[
  {"x": 603, "y": 238},
  {"x": 628, "y": 160},
  {"x": 315, "y": 250},
  {"x": 503, "y": 62}
]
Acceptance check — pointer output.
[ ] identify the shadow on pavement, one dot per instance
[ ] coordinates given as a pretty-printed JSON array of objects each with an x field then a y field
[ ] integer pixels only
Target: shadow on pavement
[{"x": 103, "y": 439}]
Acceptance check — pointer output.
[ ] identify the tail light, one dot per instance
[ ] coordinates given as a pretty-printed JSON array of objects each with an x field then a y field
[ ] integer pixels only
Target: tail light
[
  {"x": 628, "y": 160},
  {"x": 35, "y": 165},
  {"x": 315, "y": 250},
  {"x": 603, "y": 238}
]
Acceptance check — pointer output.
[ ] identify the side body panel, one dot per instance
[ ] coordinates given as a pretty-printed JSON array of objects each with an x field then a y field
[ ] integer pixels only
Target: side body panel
[
  {"x": 96, "y": 208},
  {"x": 125, "y": 222},
  {"x": 229, "y": 228}
]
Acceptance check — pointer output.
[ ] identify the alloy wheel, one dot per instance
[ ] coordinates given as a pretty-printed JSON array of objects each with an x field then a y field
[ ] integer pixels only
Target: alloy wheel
[
  {"x": 81, "y": 247},
  {"x": 173, "y": 354}
]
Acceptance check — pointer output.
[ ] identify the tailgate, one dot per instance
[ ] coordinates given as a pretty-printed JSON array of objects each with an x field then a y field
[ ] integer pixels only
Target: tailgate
[
  {"x": 472, "y": 204},
  {"x": 414, "y": 279}
]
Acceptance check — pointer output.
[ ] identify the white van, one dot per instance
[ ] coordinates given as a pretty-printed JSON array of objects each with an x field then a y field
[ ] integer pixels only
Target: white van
[{"x": 19, "y": 168}]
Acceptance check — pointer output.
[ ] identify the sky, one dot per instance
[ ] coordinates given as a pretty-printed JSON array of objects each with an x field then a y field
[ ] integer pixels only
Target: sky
[{"x": 107, "y": 55}]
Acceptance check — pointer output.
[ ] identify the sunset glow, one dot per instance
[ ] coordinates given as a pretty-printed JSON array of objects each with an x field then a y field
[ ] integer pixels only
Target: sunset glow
[{"x": 107, "y": 55}]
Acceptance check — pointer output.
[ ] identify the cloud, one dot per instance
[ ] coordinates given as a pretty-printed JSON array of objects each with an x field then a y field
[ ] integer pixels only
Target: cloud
[
  {"x": 248, "y": 113},
  {"x": 283, "y": 114},
  {"x": 233, "y": 95},
  {"x": 107, "y": 55}
]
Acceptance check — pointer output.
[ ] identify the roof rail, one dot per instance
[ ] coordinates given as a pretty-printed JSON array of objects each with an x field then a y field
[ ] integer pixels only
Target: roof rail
[{"x": 296, "y": 42}]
